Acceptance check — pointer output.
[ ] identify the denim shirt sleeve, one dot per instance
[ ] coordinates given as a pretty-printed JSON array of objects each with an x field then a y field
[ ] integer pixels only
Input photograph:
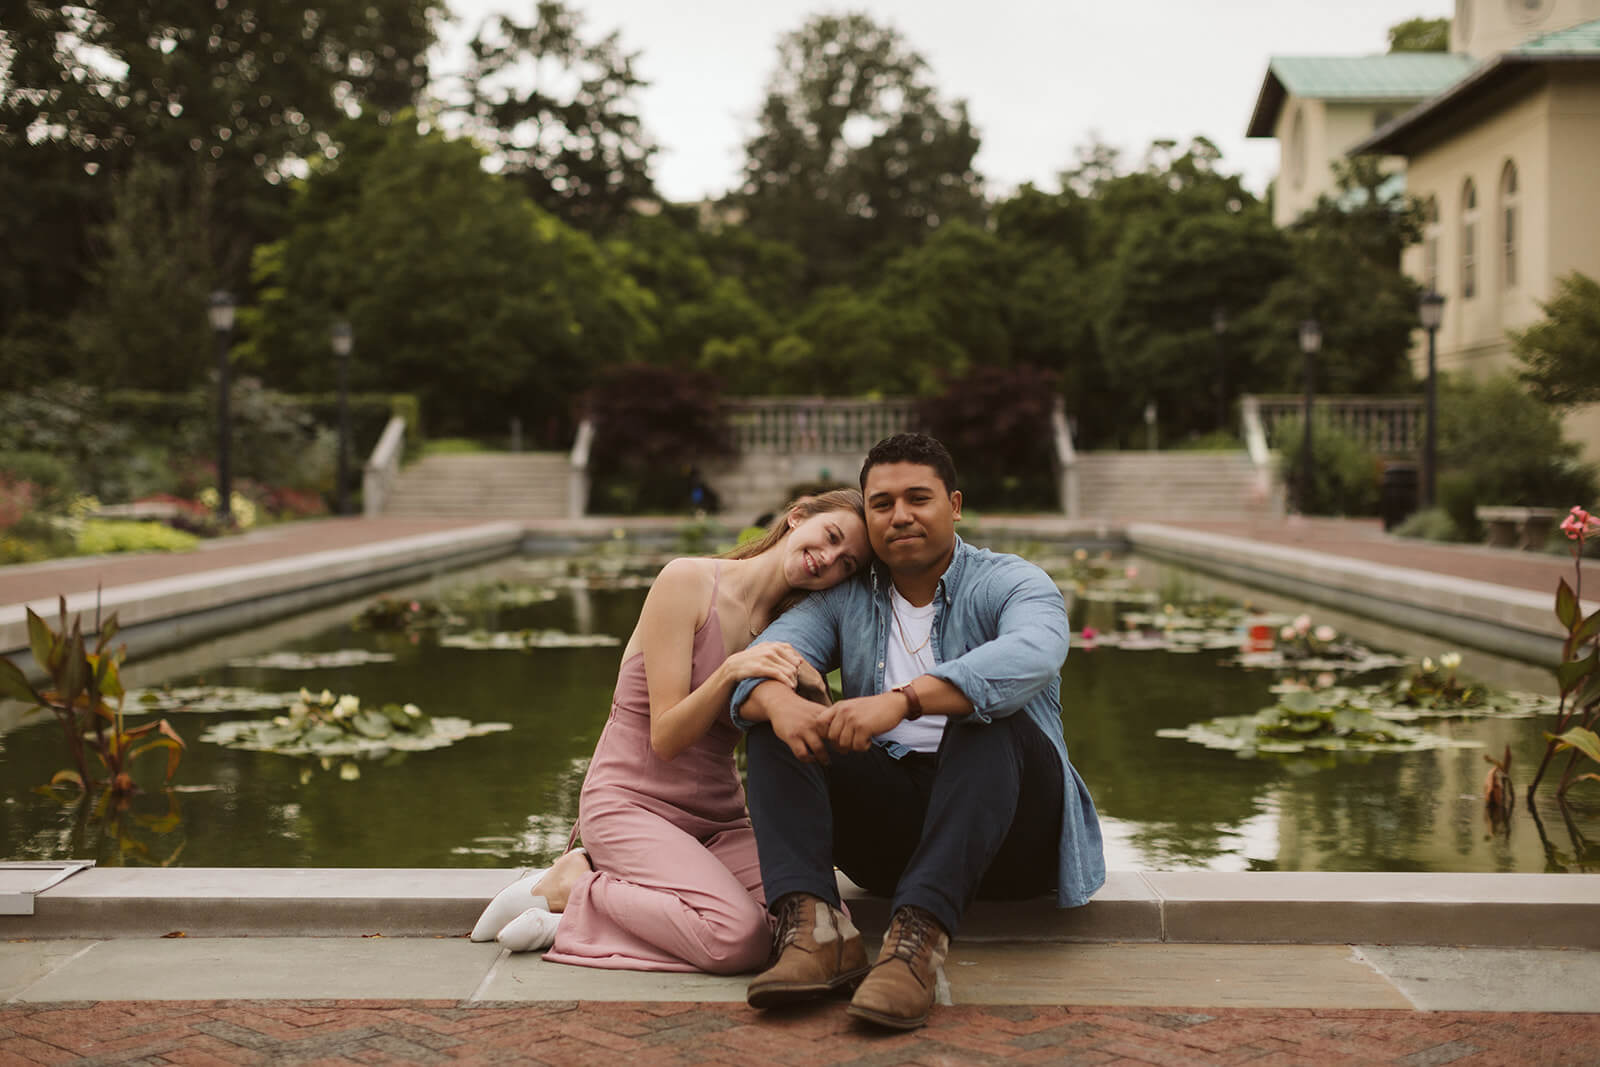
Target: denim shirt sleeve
[
  {"x": 811, "y": 627},
  {"x": 1003, "y": 674}
]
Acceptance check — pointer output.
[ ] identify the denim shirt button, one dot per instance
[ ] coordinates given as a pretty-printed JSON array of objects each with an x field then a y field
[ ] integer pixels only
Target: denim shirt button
[{"x": 880, "y": 664}]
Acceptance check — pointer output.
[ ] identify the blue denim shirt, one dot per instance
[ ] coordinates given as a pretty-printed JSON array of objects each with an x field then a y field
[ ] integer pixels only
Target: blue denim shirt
[{"x": 1000, "y": 635}]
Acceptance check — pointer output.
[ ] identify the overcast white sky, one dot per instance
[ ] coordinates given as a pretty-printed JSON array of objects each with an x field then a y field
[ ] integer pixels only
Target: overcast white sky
[{"x": 1040, "y": 77}]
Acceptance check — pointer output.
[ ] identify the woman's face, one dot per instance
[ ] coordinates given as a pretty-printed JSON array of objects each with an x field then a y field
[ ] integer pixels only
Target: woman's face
[{"x": 825, "y": 549}]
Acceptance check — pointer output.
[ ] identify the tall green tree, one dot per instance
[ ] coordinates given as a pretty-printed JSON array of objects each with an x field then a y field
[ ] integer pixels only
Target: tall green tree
[
  {"x": 856, "y": 154},
  {"x": 1420, "y": 35},
  {"x": 561, "y": 113},
  {"x": 1561, "y": 352},
  {"x": 232, "y": 98},
  {"x": 457, "y": 287}
]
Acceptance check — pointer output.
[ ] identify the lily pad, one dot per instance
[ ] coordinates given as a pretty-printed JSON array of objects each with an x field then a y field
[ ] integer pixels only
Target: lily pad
[
  {"x": 1303, "y": 722},
  {"x": 519, "y": 640},
  {"x": 260, "y": 735},
  {"x": 204, "y": 699},
  {"x": 306, "y": 661}
]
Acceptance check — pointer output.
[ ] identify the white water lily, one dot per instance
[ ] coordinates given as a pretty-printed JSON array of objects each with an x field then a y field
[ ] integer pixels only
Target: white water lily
[
  {"x": 1427, "y": 665},
  {"x": 326, "y": 698},
  {"x": 349, "y": 772},
  {"x": 349, "y": 704},
  {"x": 1287, "y": 633},
  {"x": 1450, "y": 660},
  {"x": 412, "y": 710},
  {"x": 305, "y": 695},
  {"x": 1325, "y": 633},
  {"x": 280, "y": 720},
  {"x": 1302, "y": 624}
]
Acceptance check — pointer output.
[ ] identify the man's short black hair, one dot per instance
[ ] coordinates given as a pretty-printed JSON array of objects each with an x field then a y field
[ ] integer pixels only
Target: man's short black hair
[{"x": 912, "y": 448}]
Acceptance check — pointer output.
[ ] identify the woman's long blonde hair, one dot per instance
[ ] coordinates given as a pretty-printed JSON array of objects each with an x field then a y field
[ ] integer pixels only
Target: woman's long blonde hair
[{"x": 817, "y": 504}]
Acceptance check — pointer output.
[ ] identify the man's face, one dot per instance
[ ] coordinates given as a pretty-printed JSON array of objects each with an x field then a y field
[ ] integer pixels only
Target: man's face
[{"x": 911, "y": 516}]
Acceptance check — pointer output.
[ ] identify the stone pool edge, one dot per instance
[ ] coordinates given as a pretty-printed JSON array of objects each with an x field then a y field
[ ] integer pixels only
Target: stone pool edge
[{"x": 1196, "y": 907}]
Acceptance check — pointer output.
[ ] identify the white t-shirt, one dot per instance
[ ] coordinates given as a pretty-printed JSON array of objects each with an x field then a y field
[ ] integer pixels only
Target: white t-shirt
[{"x": 908, "y": 656}]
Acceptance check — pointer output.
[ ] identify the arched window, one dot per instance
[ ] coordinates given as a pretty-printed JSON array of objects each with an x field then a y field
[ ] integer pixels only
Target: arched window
[
  {"x": 1430, "y": 244},
  {"x": 1510, "y": 229},
  {"x": 1469, "y": 240}
]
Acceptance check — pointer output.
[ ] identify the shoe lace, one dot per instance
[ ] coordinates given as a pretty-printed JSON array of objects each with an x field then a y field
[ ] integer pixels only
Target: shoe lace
[
  {"x": 912, "y": 930},
  {"x": 788, "y": 922}
]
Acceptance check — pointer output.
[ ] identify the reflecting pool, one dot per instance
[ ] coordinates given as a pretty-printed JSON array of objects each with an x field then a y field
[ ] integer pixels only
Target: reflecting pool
[{"x": 510, "y": 797}]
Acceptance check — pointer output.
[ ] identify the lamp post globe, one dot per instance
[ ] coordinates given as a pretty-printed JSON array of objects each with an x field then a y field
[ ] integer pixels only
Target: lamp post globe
[
  {"x": 220, "y": 313},
  {"x": 1310, "y": 345},
  {"x": 342, "y": 340}
]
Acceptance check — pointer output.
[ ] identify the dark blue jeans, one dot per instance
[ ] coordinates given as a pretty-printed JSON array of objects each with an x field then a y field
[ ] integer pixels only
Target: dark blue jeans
[{"x": 979, "y": 818}]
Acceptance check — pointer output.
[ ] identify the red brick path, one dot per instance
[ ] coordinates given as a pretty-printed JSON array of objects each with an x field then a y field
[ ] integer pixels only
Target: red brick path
[{"x": 359, "y": 1032}]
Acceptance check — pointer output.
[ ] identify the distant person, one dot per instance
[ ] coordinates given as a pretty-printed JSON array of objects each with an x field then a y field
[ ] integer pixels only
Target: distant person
[
  {"x": 668, "y": 878},
  {"x": 942, "y": 777}
]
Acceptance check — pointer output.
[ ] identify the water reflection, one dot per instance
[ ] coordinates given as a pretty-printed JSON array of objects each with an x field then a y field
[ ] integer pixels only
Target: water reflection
[{"x": 511, "y": 798}]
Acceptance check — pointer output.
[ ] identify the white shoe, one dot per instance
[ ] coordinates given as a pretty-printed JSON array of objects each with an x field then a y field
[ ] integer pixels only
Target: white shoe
[
  {"x": 507, "y": 904},
  {"x": 532, "y": 931}
]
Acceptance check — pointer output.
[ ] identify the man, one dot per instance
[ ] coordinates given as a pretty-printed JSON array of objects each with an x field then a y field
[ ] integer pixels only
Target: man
[{"x": 943, "y": 776}]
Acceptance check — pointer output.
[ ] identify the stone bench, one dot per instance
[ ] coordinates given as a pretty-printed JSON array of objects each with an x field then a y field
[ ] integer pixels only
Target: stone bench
[{"x": 1518, "y": 527}]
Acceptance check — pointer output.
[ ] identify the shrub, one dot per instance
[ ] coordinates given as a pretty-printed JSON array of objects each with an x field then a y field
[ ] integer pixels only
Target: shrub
[
  {"x": 50, "y": 480},
  {"x": 1344, "y": 473},
  {"x": 1434, "y": 524},
  {"x": 653, "y": 427},
  {"x": 996, "y": 423},
  {"x": 98, "y": 537},
  {"x": 1507, "y": 448}
]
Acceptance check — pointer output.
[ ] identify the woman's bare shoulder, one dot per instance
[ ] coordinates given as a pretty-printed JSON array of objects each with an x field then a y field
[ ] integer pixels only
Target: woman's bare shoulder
[{"x": 686, "y": 576}]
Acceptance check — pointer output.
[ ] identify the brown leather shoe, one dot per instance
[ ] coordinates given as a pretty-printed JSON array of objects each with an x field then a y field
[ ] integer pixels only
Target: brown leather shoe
[
  {"x": 818, "y": 950},
  {"x": 899, "y": 991}
]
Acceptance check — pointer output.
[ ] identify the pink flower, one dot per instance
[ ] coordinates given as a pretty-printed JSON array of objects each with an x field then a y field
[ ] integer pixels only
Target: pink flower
[
  {"x": 1131, "y": 572},
  {"x": 1090, "y": 633},
  {"x": 1303, "y": 624},
  {"x": 1579, "y": 524}
]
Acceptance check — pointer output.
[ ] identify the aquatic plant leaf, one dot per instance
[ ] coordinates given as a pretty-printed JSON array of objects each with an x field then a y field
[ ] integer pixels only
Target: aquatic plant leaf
[
  {"x": 1589, "y": 628},
  {"x": 262, "y": 735},
  {"x": 14, "y": 684},
  {"x": 518, "y": 640},
  {"x": 306, "y": 661},
  {"x": 205, "y": 699},
  {"x": 41, "y": 642},
  {"x": 1571, "y": 673},
  {"x": 372, "y": 724},
  {"x": 1566, "y": 606},
  {"x": 1583, "y": 740}
]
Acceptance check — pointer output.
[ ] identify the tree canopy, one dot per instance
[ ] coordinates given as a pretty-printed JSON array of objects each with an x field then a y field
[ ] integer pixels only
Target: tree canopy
[
  {"x": 1420, "y": 35},
  {"x": 1561, "y": 352}
]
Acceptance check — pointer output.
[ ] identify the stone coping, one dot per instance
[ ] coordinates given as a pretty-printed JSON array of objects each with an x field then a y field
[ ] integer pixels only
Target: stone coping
[
  {"x": 1481, "y": 910},
  {"x": 166, "y": 612},
  {"x": 1513, "y": 622}
]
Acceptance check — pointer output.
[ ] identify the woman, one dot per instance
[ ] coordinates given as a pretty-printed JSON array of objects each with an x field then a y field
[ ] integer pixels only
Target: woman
[{"x": 668, "y": 879}]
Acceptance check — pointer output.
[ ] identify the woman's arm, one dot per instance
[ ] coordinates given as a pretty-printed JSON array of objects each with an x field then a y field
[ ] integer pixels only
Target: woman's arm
[{"x": 667, "y": 624}]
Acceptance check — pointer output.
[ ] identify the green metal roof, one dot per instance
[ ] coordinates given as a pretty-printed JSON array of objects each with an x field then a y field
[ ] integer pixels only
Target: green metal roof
[
  {"x": 1576, "y": 44},
  {"x": 1401, "y": 77},
  {"x": 1582, "y": 39}
]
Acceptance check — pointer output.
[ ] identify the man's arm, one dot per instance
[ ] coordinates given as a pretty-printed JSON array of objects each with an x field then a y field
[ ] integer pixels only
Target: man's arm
[{"x": 1024, "y": 656}]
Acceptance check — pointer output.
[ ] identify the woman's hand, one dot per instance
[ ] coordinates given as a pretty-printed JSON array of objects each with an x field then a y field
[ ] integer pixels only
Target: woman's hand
[
  {"x": 776, "y": 660},
  {"x": 812, "y": 685}
]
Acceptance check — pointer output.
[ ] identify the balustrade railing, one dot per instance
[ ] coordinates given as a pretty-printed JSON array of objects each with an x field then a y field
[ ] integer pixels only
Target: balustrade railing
[
  {"x": 815, "y": 424},
  {"x": 1391, "y": 426}
]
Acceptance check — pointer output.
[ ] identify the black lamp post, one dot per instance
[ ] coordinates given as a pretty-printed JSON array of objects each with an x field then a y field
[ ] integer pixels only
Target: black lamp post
[
  {"x": 1431, "y": 310},
  {"x": 221, "y": 313},
  {"x": 342, "y": 338},
  {"x": 1310, "y": 345},
  {"x": 1219, "y": 326}
]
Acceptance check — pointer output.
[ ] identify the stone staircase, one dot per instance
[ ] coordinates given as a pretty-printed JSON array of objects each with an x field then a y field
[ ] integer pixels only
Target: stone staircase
[
  {"x": 1133, "y": 485},
  {"x": 523, "y": 485}
]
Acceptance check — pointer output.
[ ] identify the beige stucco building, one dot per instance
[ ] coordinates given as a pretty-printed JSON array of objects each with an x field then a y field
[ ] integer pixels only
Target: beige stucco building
[{"x": 1504, "y": 154}]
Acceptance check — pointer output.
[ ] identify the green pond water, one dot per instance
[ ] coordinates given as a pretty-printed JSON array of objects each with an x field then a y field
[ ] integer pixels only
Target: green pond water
[{"x": 510, "y": 798}]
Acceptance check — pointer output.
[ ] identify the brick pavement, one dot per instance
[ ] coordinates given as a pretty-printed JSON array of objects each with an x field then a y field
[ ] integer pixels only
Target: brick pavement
[{"x": 361, "y": 1032}]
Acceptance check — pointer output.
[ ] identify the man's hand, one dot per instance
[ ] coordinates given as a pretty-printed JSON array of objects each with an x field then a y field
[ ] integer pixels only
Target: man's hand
[
  {"x": 797, "y": 722},
  {"x": 852, "y": 724}
]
